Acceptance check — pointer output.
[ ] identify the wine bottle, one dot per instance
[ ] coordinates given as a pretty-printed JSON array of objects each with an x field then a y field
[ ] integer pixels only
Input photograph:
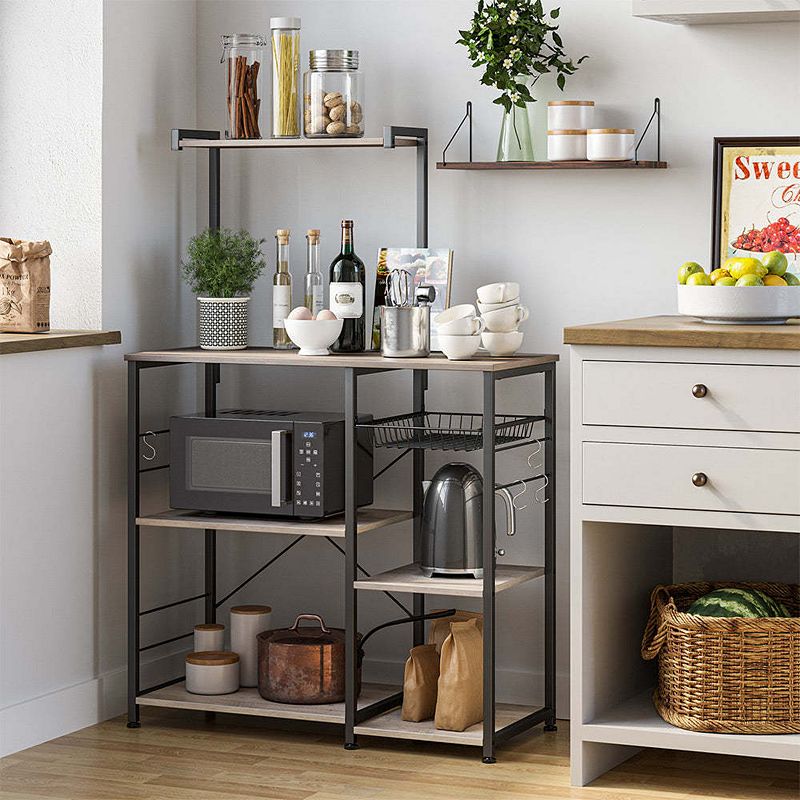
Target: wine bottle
[
  {"x": 313, "y": 281},
  {"x": 348, "y": 278},
  {"x": 281, "y": 292}
]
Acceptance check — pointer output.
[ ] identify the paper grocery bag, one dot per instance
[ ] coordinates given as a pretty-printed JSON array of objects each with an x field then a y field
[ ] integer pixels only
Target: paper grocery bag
[
  {"x": 440, "y": 628},
  {"x": 420, "y": 681},
  {"x": 24, "y": 286},
  {"x": 460, "y": 701}
]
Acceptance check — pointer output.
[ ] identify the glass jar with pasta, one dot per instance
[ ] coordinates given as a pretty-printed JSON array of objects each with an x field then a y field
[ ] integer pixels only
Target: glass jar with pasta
[
  {"x": 285, "y": 77},
  {"x": 333, "y": 95}
]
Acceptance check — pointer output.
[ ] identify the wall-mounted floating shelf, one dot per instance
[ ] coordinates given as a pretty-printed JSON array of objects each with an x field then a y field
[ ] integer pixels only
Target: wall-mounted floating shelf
[
  {"x": 503, "y": 165},
  {"x": 710, "y": 12}
]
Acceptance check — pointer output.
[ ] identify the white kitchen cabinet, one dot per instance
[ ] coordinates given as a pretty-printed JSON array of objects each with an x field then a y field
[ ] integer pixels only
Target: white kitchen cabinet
[{"x": 673, "y": 424}]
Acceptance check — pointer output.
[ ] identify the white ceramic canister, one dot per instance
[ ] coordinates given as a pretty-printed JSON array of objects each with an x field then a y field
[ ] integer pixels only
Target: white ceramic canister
[
  {"x": 209, "y": 636},
  {"x": 567, "y": 145},
  {"x": 565, "y": 115},
  {"x": 609, "y": 144},
  {"x": 246, "y": 623},
  {"x": 212, "y": 672}
]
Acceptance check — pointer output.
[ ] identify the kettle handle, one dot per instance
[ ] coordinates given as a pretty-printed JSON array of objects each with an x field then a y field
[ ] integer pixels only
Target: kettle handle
[{"x": 511, "y": 516}]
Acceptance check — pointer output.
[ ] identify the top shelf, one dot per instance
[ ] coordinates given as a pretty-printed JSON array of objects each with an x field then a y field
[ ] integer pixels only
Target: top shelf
[
  {"x": 713, "y": 12},
  {"x": 257, "y": 144}
]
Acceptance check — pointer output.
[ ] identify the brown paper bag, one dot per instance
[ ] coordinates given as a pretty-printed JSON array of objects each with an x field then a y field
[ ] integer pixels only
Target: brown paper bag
[
  {"x": 460, "y": 700},
  {"x": 24, "y": 286},
  {"x": 420, "y": 683},
  {"x": 440, "y": 628}
]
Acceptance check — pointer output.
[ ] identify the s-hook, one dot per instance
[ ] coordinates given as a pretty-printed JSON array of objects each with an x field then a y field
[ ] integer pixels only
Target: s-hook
[{"x": 146, "y": 456}]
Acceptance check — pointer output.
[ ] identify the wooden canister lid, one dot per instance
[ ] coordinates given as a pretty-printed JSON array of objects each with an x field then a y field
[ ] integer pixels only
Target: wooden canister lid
[
  {"x": 567, "y": 133},
  {"x": 251, "y": 610},
  {"x": 611, "y": 130},
  {"x": 212, "y": 658},
  {"x": 210, "y": 626},
  {"x": 571, "y": 103}
]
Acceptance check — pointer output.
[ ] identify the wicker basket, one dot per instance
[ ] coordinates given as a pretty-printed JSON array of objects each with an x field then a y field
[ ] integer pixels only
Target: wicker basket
[{"x": 725, "y": 674}]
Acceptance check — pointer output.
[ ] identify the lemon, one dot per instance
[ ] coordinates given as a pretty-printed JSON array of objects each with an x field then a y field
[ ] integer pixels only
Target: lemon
[
  {"x": 750, "y": 279},
  {"x": 774, "y": 280},
  {"x": 728, "y": 281},
  {"x": 791, "y": 279},
  {"x": 687, "y": 269},
  {"x": 738, "y": 267},
  {"x": 776, "y": 262},
  {"x": 719, "y": 273},
  {"x": 698, "y": 279}
]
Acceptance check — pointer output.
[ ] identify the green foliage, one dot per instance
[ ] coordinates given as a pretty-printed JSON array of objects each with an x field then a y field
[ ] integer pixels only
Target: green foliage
[
  {"x": 222, "y": 263},
  {"x": 514, "y": 40}
]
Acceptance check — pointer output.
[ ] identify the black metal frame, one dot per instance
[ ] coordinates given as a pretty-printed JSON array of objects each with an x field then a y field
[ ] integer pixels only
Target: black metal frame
[{"x": 657, "y": 116}]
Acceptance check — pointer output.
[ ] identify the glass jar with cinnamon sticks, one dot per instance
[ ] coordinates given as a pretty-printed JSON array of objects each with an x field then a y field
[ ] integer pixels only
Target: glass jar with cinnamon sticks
[{"x": 243, "y": 55}]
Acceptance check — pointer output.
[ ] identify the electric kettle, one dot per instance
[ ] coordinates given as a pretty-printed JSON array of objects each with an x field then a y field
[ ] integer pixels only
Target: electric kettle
[{"x": 452, "y": 522}]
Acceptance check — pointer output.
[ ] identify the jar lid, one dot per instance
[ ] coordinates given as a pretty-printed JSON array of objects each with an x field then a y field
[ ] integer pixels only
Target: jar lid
[
  {"x": 212, "y": 658},
  {"x": 243, "y": 40},
  {"x": 332, "y": 60},
  {"x": 251, "y": 609},
  {"x": 611, "y": 130},
  {"x": 567, "y": 133},
  {"x": 571, "y": 103},
  {"x": 284, "y": 23},
  {"x": 210, "y": 626}
]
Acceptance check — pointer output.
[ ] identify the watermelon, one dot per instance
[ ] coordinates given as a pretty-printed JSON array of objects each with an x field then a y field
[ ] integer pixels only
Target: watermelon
[{"x": 736, "y": 602}]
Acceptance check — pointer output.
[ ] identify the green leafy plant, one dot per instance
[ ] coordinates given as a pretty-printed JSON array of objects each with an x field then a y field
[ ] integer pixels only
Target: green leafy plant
[
  {"x": 515, "y": 40},
  {"x": 222, "y": 263}
]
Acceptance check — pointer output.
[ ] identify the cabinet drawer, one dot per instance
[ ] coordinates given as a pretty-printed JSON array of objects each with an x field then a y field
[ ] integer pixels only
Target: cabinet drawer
[
  {"x": 661, "y": 476},
  {"x": 659, "y": 395}
]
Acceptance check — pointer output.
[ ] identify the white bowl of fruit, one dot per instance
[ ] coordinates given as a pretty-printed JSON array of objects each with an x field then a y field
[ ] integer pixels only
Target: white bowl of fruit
[
  {"x": 744, "y": 290},
  {"x": 313, "y": 334}
]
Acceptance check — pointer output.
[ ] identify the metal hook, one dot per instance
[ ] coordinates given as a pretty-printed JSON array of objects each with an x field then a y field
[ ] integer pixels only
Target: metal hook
[
  {"x": 519, "y": 494},
  {"x": 535, "y": 453},
  {"x": 536, "y": 496},
  {"x": 147, "y": 444}
]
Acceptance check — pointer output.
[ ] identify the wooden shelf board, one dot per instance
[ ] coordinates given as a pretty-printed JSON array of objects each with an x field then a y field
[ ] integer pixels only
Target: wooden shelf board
[
  {"x": 392, "y": 726},
  {"x": 503, "y": 165},
  {"x": 410, "y": 579},
  {"x": 710, "y": 12},
  {"x": 369, "y": 519},
  {"x": 636, "y": 722},
  {"x": 55, "y": 340},
  {"x": 266, "y": 356},
  {"x": 282, "y": 144},
  {"x": 249, "y": 702}
]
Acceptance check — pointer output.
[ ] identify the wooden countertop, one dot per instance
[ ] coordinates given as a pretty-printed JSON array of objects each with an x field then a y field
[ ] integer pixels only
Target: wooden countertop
[
  {"x": 678, "y": 331},
  {"x": 266, "y": 356},
  {"x": 55, "y": 340}
]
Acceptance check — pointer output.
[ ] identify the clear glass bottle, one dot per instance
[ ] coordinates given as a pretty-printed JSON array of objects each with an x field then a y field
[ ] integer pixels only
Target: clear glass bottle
[
  {"x": 285, "y": 77},
  {"x": 348, "y": 277},
  {"x": 243, "y": 55},
  {"x": 314, "y": 299},
  {"x": 333, "y": 95},
  {"x": 281, "y": 292}
]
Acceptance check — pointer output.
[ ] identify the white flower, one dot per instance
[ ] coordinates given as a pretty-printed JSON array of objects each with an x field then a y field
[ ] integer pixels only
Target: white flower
[
  {"x": 508, "y": 63},
  {"x": 501, "y": 5},
  {"x": 513, "y": 16},
  {"x": 516, "y": 52},
  {"x": 514, "y": 39},
  {"x": 514, "y": 97}
]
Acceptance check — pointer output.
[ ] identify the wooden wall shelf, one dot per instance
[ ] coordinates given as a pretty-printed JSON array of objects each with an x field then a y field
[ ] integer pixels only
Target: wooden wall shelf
[
  {"x": 503, "y": 165},
  {"x": 716, "y": 12}
]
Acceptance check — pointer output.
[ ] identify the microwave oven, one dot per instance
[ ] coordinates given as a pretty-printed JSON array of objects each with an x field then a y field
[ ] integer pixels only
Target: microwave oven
[{"x": 281, "y": 463}]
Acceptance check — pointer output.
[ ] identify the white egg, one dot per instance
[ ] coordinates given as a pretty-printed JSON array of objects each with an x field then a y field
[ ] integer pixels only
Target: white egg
[
  {"x": 301, "y": 312},
  {"x": 325, "y": 314}
]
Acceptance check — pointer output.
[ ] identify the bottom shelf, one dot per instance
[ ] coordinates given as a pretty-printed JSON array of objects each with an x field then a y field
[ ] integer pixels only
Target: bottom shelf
[
  {"x": 392, "y": 726},
  {"x": 250, "y": 703},
  {"x": 636, "y": 722}
]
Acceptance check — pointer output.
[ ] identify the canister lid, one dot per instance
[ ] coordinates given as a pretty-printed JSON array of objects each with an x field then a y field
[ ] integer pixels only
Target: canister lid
[
  {"x": 251, "y": 610},
  {"x": 571, "y": 103},
  {"x": 611, "y": 130},
  {"x": 212, "y": 658},
  {"x": 210, "y": 626},
  {"x": 567, "y": 133},
  {"x": 285, "y": 23},
  {"x": 243, "y": 40},
  {"x": 332, "y": 60}
]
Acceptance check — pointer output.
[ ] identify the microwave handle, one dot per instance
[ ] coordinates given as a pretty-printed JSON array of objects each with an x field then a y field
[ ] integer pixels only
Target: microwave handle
[{"x": 278, "y": 441}]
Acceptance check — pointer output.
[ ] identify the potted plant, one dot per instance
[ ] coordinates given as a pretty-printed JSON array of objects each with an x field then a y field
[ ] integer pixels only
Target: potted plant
[
  {"x": 221, "y": 268},
  {"x": 514, "y": 40}
]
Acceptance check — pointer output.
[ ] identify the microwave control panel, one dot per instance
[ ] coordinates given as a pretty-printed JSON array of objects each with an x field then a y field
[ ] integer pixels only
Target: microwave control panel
[{"x": 307, "y": 482}]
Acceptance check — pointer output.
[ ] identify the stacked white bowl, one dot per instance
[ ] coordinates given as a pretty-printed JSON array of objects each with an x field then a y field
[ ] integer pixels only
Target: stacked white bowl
[
  {"x": 502, "y": 315},
  {"x": 458, "y": 330}
]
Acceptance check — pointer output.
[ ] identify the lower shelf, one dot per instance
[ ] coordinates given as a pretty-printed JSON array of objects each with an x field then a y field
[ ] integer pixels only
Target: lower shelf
[
  {"x": 636, "y": 722},
  {"x": 392, "y": 726},
  {"x": 250, "y": 703}
]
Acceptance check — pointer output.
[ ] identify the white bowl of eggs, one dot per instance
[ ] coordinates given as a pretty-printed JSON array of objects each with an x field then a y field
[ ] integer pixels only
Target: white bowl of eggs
[{"x": 313, "y": 335}]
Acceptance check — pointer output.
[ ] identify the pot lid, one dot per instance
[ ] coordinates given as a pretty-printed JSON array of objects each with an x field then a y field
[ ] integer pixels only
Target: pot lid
[{"x": 317, "y": 633}]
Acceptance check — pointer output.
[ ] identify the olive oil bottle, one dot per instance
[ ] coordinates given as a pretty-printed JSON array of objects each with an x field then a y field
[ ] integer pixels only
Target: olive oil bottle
[{"x": 281, "y": 292}]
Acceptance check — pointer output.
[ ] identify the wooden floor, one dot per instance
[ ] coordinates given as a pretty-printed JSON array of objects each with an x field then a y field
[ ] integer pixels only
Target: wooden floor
[{"x": 181, "y": 756}]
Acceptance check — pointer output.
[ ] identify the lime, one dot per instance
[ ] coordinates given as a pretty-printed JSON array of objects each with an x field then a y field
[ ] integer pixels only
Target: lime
[
  {"x": 689, "y": 268},
  {"x": 774, "y": 280},
  {"x": 738, "y": 267},
  {"x": 791, "y": 279},
  {"x": 719, "y": 273},
  {"x": 776, "y": 262},
  {"x": 698, "y": 279},
  {"x": 727, "y": 281},
  {"x": 750, "y": 279}
]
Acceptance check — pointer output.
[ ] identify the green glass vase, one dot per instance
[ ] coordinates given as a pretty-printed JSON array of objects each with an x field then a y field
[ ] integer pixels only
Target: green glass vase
[{"x": 515, "y": 136}]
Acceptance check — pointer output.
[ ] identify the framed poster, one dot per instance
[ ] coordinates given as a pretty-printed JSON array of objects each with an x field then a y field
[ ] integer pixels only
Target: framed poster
[
  {"x": 756, "y": 197},
  {"x": 427, "y": 266}
]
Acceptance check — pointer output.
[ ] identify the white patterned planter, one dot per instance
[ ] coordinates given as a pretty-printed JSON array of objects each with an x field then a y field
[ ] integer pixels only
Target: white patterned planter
[{"x": 223, "y": 323}]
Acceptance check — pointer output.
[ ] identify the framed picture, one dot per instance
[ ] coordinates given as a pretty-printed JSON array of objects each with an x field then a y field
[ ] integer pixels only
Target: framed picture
[
  {"x": 427, "y": 266},
  {"x": 756, "y": 197}
]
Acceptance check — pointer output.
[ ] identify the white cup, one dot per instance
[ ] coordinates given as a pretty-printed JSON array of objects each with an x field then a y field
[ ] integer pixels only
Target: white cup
[
  {"x": 463, "y": 311},
  {"x": 498, "y": 292},
  {"x": 458, "y": 348},
  {"x": 501, "y": 344},
  {"x": 466, "y": 326},
  {"x": 485, "y": 307},
  {"x": 505, "y": 319}
]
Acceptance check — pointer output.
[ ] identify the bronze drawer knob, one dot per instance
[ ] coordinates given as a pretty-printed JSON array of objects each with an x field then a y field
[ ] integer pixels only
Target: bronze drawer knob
[
  {"x": 699, "y": 390},
  {"x": 699, "y": 479}
]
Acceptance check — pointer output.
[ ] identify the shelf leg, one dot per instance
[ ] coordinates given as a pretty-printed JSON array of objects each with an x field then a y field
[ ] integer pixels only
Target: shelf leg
[
  {"x": 133, "y": 543},
  {"x": 213, "y": 191},
  {"x": 420, "y": 378},
  {"x": 550, "y": 548},
  {"x": 351, "y": 556},
  {"x": 422, "y": 192},
  {"x": 211, "y": 379},
  {"x": 489, "y": 534}
]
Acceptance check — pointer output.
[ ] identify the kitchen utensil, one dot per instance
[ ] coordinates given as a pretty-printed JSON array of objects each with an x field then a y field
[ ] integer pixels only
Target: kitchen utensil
[
  {"x": 609, "y": 144},
  {"x": 502, "y": 344},
  {"x": 485, "y": 308},
  {"x": 505, "y": 320},
  {"x": 212, "y": 672},
  {"x": 246, "y": 623},
  {"x": 406, "y": 329},
  {"x": 313, "y": 336},
  {"x": 765, "y": 305},
  {"x": 498, "y": 292},
  {"x": 452, "y": 521},
  {"x": 210, "y": 636},
  {"x": 305, "y": 665},
  {"x": 399, "y": 288},
  {"x": 459, "y": 348}
]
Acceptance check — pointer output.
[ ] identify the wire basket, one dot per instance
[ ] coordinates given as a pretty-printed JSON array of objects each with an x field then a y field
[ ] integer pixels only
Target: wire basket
[{"x": 439, "y": 430}]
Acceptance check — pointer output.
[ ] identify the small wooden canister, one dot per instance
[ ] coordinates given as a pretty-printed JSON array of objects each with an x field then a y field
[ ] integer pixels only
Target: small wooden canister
[{"x": 209, "y": 636}]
